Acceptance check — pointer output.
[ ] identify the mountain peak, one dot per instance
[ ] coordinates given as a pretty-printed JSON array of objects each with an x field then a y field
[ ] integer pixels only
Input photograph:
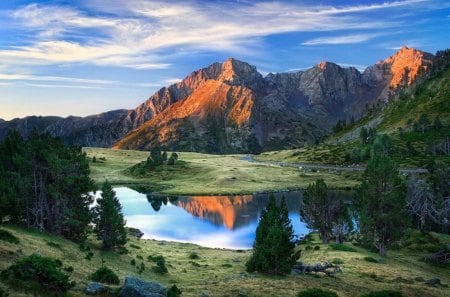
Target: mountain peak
[
  {"x": 236, "y": 72},
  {"x": 406, "y": 64}
]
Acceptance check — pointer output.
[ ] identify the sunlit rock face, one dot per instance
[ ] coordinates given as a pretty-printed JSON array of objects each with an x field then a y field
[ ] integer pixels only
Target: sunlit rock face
[{"x": 229, "y": 107}]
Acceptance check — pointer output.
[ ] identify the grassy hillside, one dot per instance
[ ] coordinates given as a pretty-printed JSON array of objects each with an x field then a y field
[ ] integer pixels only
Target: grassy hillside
[
  {"x": 207, "y": 174},
  {"x": 222, "y": 272},
  {"x": 411, "y": 147}
]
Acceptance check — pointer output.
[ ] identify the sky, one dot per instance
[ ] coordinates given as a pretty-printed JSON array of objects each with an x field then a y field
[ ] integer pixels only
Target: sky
[{"x": 89, "y": 56}]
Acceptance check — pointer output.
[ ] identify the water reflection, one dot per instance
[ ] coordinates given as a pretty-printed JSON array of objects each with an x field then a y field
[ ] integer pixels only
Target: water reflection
[{"x": 212, "y": 221}]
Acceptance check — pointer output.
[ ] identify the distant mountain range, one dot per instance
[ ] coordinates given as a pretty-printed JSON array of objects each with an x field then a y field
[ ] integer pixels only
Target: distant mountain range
[{"x": 230, "y": 107}]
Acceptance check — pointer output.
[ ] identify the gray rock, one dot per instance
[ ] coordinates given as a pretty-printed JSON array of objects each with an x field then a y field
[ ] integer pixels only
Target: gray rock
[
  {"x": 95, "y": 288},
  {"x": 135, "y": 287}
]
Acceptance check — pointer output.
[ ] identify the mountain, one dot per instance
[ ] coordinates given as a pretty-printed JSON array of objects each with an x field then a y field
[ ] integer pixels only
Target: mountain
[{"x": 230, "y": 107}]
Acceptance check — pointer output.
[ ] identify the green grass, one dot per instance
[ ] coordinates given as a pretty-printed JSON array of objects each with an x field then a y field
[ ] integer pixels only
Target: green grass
[
  {"x": 204, "y": 174},
  {"x": 221, "y": 272}
]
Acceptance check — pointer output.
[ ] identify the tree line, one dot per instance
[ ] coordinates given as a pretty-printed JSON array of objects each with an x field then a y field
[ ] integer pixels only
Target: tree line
[{"x": 45, "y": 185}]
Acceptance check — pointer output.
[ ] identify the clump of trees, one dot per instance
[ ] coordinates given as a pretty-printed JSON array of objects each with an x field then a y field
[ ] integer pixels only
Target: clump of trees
[
  {"x": 274, "y": 242},
  {"x": 325, "y": 212},
  {"x": 108, "y": 219},
  {"x": 158, "y": 157},
  {"x": 45, "y": 185}
]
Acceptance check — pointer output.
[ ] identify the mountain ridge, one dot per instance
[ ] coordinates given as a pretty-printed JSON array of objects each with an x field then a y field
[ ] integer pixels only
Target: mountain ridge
[{"x": 231, "y": 107}]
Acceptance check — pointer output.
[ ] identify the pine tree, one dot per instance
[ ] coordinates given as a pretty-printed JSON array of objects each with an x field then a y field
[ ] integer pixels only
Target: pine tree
[
  {"x": 273, "y": 246},
  {"x": 108, "y": 218},
  {"x": 381, "y": 202}
]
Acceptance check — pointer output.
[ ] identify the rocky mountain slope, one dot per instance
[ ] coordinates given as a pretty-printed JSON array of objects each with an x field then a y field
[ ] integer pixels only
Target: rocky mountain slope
[{"x": 230, "y": 107}]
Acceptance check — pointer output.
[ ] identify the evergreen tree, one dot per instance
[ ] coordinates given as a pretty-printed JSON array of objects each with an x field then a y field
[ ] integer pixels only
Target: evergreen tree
[
  {"x": 382, "y": 145},
  {"x": 423, "y": 123},
  {"x": 381, "y": 201},
  {"x": 437, "y": 124},
  {"x": 363, "y": 135},
  {"x": 164, "y": 156},
  {"x": 108, "y": 219},
  {"x": 273, "y": 246}
]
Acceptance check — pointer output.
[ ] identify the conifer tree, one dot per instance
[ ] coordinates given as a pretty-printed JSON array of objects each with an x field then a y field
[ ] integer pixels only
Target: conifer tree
[
  {"x": 108, "y": 218},
  {"x": 273, "y": 246},
  {"x": 381, "y": 201}
]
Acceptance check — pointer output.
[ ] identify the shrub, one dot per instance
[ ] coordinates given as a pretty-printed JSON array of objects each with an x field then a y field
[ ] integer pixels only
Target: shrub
[
  {"x": 141, "y": 268},
  {"x": 68, "y": 269},
  {"x": 341, "y": 247},
  {"x": 174, "y": 291},
  {"x": 370, "y": 259},
  {"x": 308, "y": 247},
  {"x": 89, "y": 256},
  {"x": 195, "y": 264},
  {"x": 84, "y": 248},
  {"x": 316, "y": 248},
  {"x": 317, "y": 293},
  {"x": 53, "y": 244},
  {"x": 160, "y": 265},
  {"x": 194, "y": 256},
  {"x": 38, "y": 274},
  {"x": 105, "y": 275},
  {"x": 227, "y": 265},
  {"x": 135, "y": 246},
  {"x": 8, "y": 237},
  {"x": 384, "y": 293},
  {"x": 139, "y": 257},
  {"x": 337, "y": 261},
  {"x": 133, "y": 262}
]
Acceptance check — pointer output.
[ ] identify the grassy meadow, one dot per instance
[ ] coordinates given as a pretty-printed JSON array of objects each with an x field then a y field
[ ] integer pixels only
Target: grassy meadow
[
  {"x": 204, "y": 174},
  {"x": 222, "y": 272}
]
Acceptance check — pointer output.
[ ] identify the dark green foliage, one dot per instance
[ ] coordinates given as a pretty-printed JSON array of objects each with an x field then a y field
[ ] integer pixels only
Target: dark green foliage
[
  {"x": 317, "y": 247},
  {"x": 105, "y": 275},
  {"x": 108, "y": 219},
  {"x": 38, "y": 274},
  {"x": 3, "y": 293},
  {"x": 315, "y": 292},
  {"x": 341, "y": 247},
  {"x": 416, "y": 240},
  {"x": 68, "y": 269},
  {"x": 133, "y": 262},
  {"x": 45, "y": 185},
  {"x": 8, "y": 237},
  {"x": 227, "y": 265},
  {"x": 135, "y": 246},
  {"x": 53, "y": 244},
  {"x": 370, "y": 259},
  {"x": 174, "y": 291},
  {"x": 139, "y": 257},
  {"x": 94, "y": 159},
  {"x": 89, "y": 256},
  {"x": 273, "y": 246},
  {"x": 141, "y": 268},
  {"x": 381, "y": 201},
  {"x": 382, "y": 146},
  {"x": 194, "y": 256},
  {"x": 325, "y": 213},
  {"x": 253, "y": 146},
  {"x": 160, "y": 264},
  {"x": 196, "y": 264},
  {"x": 384, "y": 293}
]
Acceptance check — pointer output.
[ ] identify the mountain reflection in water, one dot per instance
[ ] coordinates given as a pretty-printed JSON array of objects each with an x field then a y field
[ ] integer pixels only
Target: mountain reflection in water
[{"x": 212, "y": 221}]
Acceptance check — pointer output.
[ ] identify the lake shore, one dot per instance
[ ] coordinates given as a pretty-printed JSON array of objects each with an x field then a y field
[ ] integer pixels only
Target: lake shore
[{"x": 205, "y": 174}]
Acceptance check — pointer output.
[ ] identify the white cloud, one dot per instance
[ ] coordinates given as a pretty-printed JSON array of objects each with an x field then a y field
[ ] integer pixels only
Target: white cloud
[
  {"x": 344, "y": 39},
  {"x": 63, "y": 86},
  {"x": 134, "y": 33}
]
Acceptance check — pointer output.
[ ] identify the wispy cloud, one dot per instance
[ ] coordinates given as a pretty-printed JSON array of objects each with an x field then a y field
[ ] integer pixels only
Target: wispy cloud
[
  {"x": 133, "y": 33},
  {"x": 63, "y": 86},
  {"x": 343, "y": 39}
]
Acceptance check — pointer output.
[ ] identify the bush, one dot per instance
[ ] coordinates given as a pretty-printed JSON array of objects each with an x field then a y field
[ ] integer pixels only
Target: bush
[
  {"x": 341, "y": 247},
  {"x": 8, "y": 237},
  {"x": 89, "y": 256},
  {"x": 337, "y": 261},
  {"x": 194, "y": 256},
  {"x": 160, "y": 265},
  {"x": 384, "y": 293},
  {"x": 38, "y": 274},
  {"x": 174, "y": 291},
  {"x": 135, "y": 246},
  {"x": 68, "y": 269},
  {"x": 317, "y": 247},
  {"x": 105, "y": 275},
  {"x": 133, "y": 262},
  {"x": 141, "y": 268},
  {"x": 370, "y": 259},
  {"x": 53, "y": 244},
  {"x": 317, "y": 293}
]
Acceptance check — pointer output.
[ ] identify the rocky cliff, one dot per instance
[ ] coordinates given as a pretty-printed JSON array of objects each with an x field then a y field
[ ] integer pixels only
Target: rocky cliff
[{"x": 230, "y": 107}]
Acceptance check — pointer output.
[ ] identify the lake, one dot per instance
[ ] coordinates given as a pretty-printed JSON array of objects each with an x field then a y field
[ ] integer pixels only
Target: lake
[{"x": 210, "y": 221}]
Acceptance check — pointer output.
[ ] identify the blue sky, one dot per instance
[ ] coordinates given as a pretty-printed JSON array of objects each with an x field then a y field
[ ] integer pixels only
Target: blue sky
[{"x": 88, "y": 56}]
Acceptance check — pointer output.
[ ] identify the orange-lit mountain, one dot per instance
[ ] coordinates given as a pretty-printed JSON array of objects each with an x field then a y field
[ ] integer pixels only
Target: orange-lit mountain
[{"x": 230, "y": 107}]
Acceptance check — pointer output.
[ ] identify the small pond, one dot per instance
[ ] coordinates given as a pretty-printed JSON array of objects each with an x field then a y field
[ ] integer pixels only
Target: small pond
[{"x": 210, "y": 221}]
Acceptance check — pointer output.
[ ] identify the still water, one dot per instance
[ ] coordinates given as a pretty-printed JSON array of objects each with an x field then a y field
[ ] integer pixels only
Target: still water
[{"x": 210, "y": 221}]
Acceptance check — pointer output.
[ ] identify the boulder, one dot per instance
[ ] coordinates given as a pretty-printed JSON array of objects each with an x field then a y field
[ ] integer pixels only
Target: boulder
[
  {"x": 135, "y": 287},
  {"x": 95, "y": 288}
]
